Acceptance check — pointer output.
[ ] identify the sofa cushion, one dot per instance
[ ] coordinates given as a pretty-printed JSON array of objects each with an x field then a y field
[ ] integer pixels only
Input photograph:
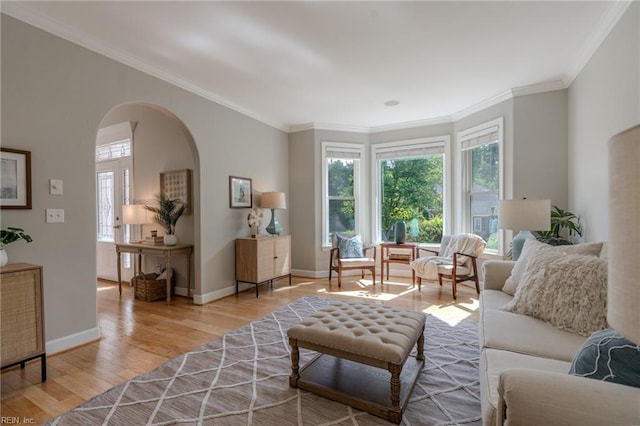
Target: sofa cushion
[
  {"x": 608, "y": 356},
  {"x": 493, "y": 299},
  {"x": 531, "y": 247},
  {"x": 527, "y": 335},
  {"x": 493, "y": 362},
  {"x": 569, "y": 292}
]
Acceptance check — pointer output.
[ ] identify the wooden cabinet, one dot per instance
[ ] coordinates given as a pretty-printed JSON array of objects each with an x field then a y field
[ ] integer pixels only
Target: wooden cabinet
[
  {"x": 22, "y": 316},
  {"x": 260, "y": 260}
]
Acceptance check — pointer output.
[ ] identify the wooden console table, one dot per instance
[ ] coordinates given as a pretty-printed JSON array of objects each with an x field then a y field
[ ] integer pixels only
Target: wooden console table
[
  {"x": 167, "y": 252},
  {"x": 386, "y": 258}
]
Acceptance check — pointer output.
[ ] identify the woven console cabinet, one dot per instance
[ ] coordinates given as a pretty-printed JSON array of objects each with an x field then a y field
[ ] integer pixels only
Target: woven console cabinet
[
  {"x": 22, "y": 316},
  {"x": 148, "y": 288}
]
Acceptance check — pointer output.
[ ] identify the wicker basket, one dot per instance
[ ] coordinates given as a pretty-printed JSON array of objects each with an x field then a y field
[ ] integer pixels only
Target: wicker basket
[{"x": 147, "y": 288}]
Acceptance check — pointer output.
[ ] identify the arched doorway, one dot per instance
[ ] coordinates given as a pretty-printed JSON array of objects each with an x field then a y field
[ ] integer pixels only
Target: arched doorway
[{"x": 158, "y": 142}]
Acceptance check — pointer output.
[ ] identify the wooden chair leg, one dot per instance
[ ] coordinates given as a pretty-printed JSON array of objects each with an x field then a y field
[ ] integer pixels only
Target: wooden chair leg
[
  {"x": 339, "y": 277},
  {"x": 454, "y": 284},
  {"x": 419, "y": 283},
  {"x": 477, "y": 285},
  {"x": 373, "y": 274}
]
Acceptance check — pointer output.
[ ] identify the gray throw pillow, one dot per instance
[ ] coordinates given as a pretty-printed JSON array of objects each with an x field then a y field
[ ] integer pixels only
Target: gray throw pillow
[
  {"x": 608, "y": 356},
  {"x": 350, "y": 247},
  {"x": 569, "y": 292}
]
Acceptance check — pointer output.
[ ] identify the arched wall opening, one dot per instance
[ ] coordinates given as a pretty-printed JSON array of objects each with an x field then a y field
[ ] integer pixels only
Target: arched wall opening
[{"x": 161, "y": 143}]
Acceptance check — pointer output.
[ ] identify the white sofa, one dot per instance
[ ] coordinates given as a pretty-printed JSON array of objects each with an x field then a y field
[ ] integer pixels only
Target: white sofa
[{"x": 524, "y": 366}]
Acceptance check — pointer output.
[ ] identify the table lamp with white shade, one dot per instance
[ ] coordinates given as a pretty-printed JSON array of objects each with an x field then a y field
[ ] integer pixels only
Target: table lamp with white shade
[
  {"x": 524, "y": 216},
  {"x": 136, "y": 214},
  {"x": 274, "y": 201}
]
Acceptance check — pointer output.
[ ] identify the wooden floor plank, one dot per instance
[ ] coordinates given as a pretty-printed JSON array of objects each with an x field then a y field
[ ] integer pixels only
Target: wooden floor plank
[{"x": 134, "y": 335}]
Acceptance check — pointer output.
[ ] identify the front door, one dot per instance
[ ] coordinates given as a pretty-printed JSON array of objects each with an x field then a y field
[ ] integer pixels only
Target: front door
[{"x": 112, "y": 183}]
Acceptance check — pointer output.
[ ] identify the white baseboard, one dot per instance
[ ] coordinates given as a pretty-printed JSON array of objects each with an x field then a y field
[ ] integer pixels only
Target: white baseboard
[
  {"x": 309, "y": 274},
  {"x": 72, "y": 341},
  {"x": 182, "y": 291},
  {"x": 219, "y": 294},
  {"x": 397, "y": 272}
]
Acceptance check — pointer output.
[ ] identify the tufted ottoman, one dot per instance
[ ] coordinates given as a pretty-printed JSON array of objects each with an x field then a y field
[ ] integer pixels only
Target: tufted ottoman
[{"x": 351, "y": 338}]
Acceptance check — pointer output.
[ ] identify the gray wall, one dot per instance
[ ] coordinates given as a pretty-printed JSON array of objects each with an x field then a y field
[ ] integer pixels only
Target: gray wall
[
  {"x": 540, "y": 147},
  {"x": 603, "y": 100},
  {"x": 54, "y": 96}
]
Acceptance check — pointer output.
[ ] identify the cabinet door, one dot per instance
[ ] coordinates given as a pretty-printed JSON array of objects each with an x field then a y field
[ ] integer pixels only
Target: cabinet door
[
  {"x": 21, "y": 319},
  {"x": 282, "y": 255},
  {"x": 264, "y": 259}
]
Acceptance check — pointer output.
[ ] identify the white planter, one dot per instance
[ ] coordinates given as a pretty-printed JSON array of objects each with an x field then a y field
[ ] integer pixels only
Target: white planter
[
  {"x": 170, "y": 240},
  {"x": 3, "y": 258}
]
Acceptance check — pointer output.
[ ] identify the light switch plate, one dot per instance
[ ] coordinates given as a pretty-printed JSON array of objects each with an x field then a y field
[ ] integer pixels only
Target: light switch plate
[
  {"x": 55, "y": 186},
  {"x": 55, "y": 216}
]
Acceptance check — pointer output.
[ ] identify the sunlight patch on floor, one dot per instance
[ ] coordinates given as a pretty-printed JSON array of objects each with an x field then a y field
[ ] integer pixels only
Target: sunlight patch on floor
[
  {"x": 454, "y": 312},
  {"x": 364, "y": 294}
]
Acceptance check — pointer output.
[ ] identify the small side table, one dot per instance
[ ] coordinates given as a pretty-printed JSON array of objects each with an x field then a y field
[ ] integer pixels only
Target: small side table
[{"x": 387, "y": 259}]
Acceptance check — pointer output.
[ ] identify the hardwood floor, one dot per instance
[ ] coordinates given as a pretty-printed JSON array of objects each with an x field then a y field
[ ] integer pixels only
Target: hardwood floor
[{"x": 137, "y": 337}]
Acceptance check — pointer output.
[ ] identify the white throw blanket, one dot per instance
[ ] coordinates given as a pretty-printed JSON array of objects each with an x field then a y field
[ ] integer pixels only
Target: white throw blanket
[{"x": 427, "y": 267}]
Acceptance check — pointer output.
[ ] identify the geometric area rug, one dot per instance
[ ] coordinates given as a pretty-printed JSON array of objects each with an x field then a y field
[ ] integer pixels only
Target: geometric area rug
[{"x": 242, "y": 378}]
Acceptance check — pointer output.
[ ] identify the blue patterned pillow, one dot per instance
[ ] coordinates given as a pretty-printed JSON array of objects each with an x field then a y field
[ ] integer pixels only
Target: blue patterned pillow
[
  {"x": 350, "y": 247},
  {"x": 608, "y": 356}
]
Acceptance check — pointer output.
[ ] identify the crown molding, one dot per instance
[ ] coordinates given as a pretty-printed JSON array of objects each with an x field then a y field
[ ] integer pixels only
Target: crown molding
[
  {"x": 600, "y": 33},
  {"x": 411, "y": 124},
  {"x": 369, "y": 130},
  {"x": 328, "y": 126},
  {"x": 547, "y": 86},
  {"x": 55, "y": 27},
  {"x": 496, "y": 99}
]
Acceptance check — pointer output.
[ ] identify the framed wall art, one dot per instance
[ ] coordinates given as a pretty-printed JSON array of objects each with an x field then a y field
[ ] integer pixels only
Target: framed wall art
[
  {"x": 240, "y": 195},
  {"x": 176, "y": 184},
  {"x": 15, "y": 179}
]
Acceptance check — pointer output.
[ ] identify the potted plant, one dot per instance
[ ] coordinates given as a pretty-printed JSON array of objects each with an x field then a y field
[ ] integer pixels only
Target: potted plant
[
  {"x": 560, "y": 219},
  {"x": 8, "y": 236},
  {"x": 167, "y": 214}
]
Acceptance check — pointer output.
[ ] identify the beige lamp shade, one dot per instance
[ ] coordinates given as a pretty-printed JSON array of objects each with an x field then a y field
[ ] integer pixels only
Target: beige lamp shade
[
  {"x": 136, "y": 214},
  {"x": 524, "y": 215},
  {"x": 623, "y": 294},
  {"x": 274, "y": 200}
]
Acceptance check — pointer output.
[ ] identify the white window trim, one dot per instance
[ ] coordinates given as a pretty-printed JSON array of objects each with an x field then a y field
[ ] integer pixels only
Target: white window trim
[
  {"x": 443, "y": 141},
  {"x": 465, "y": 137},
  {"x": 358, "y": 152}
]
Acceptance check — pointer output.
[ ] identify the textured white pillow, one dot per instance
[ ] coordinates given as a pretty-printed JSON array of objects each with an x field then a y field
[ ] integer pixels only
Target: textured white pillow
[
  {"x": 532, "y": 247},
  {"x": 569, "y": 292}
]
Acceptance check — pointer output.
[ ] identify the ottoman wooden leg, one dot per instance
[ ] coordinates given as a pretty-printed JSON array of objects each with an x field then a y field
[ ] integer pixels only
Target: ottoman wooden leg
[
  {"x": 295, "y": 360},
  {"x": 395, "y": 413}
]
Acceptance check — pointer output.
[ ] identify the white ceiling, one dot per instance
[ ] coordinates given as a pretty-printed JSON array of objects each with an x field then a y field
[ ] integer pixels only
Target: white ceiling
[{"x": 335, "y": 64}]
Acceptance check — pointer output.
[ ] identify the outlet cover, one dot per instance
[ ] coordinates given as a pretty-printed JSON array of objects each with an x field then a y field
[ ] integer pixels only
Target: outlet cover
[{"x": 55, "y": 216}]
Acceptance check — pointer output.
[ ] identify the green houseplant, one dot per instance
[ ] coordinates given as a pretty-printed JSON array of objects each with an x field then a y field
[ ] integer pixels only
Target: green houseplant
[
  {"x": 8, "y": 236},
  {"x": 561, "y": 220},
  {"x": 167, "y": 214}
]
